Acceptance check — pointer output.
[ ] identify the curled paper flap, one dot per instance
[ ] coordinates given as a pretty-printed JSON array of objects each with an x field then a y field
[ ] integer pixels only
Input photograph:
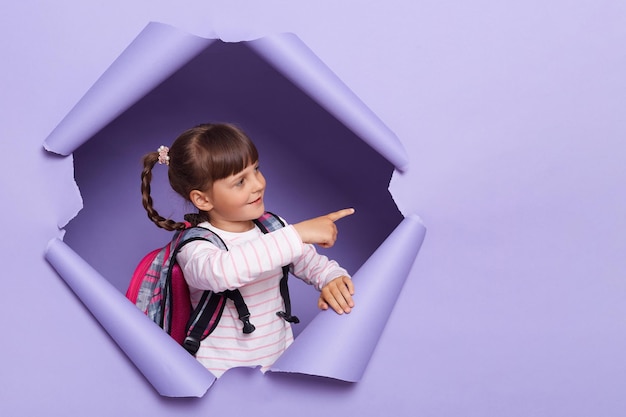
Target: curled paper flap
[
  {"x": 160, "y": 50},
  {"x": 157, "y": 52},
  {"x": 289, "y": 55},
  {"x": 167, "y": 366},
  {"x": 340, "y": 346}
]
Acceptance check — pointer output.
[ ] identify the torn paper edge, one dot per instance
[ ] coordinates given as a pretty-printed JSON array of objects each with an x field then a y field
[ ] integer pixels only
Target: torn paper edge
[
  {"x": 340, "y": 346},
  {"x": 160, "y": 50},
  {"x": 170, "y": 369},
  {"x": 154, "y": 55}
]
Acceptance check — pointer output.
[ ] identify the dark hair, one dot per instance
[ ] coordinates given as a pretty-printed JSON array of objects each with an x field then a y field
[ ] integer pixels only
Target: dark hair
[{"x": 198, "y": 157}]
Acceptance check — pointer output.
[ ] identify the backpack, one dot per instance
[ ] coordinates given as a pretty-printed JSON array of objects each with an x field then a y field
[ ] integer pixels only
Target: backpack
[{"x": 158, "y": 288}]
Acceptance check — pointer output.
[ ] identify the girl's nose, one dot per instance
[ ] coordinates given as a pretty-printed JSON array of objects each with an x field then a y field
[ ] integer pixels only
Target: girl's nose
[{"x": 259, "y": 182}]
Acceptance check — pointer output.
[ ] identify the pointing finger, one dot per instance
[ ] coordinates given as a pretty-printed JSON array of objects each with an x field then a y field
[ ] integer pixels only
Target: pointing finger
[{"x": 340, "y": 214}]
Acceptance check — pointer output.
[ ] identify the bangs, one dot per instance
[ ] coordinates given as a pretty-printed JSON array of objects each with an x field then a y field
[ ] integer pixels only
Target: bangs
[
  {"x": 223, "y": 150},
  {"x": 232, "y": 157}
]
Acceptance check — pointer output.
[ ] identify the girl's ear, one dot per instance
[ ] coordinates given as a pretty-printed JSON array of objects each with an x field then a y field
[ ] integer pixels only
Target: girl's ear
[{"x": 201, "y": 200}]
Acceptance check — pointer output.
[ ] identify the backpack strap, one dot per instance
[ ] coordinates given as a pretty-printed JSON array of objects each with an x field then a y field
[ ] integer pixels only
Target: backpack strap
[
  {"x": 206, "y": 316},
  {"x": 242, "y": 310},
  {"x": 268, "y": 223},
  {"x": 203, "y": 319}
]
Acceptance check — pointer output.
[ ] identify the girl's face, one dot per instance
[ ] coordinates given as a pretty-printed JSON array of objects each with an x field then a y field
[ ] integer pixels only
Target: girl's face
[{"x": 237, "y": 200}]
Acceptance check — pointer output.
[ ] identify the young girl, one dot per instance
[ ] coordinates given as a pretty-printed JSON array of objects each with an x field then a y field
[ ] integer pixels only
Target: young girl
[{"x": 216, "y": 168}]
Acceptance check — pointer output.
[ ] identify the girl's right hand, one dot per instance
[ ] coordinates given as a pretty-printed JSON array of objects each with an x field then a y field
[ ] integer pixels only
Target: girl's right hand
[{"x": 321, "y": 230}]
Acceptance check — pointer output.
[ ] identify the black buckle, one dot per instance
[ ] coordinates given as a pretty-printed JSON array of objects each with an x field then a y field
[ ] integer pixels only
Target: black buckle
[
  {"x": 247, "y": 326},
  {"x": 191, "y": 345},
  {"x": 288, "y": 318}
]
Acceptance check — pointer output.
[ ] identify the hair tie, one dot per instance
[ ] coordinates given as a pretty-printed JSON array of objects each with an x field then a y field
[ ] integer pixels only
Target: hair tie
[{"x": 164, "y": 158}]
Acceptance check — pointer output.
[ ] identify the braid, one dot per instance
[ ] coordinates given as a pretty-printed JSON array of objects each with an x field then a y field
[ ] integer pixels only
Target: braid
[{"x": 149, "y": 160}]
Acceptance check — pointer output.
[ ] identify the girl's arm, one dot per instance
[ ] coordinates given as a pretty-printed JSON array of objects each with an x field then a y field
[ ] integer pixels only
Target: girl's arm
[
  {"x": 205, "y": 266},
  {"x": 326, "y": 275},
  {"x": 316, "y": 269}
]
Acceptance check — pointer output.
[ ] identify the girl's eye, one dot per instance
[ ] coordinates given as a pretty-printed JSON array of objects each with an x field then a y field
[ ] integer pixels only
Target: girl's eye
[{"x": 239, "y": 183}]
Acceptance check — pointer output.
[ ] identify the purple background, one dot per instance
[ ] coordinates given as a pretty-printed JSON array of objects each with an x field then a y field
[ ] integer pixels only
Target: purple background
[{"x": 513, "y": 119}]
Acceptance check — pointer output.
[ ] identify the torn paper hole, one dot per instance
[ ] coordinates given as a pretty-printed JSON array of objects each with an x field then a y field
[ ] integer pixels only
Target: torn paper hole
[{"x": 321, "y": 149}]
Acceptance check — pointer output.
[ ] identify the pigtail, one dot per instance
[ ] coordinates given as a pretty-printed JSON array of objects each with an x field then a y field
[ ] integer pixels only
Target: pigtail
[{"x": 149, "y": 160}]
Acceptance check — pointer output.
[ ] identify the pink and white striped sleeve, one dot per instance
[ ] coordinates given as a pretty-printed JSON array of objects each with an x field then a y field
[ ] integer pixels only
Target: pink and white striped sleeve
[
  {"x": 316, "y": 269},
  {"x": 205, "y": 266}
]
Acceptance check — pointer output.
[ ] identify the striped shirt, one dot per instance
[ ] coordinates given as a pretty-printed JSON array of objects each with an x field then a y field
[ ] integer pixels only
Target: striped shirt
[{"x": 253, "y": 264}]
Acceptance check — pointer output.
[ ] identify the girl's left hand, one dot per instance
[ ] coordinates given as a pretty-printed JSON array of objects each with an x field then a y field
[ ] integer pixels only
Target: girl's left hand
[{"x": 337, "y": 294}]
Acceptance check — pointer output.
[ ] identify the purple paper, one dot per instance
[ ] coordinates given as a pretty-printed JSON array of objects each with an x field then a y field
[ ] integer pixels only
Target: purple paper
[
  {"x": 512, "y": 117},
  {"x": 155, "y": 62},
  {"x": 168, "y": 367},
  {"x": 157, "y": 52},
  {"x": 298, "y": 63},
  {"x": 340, "y": 346}
]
